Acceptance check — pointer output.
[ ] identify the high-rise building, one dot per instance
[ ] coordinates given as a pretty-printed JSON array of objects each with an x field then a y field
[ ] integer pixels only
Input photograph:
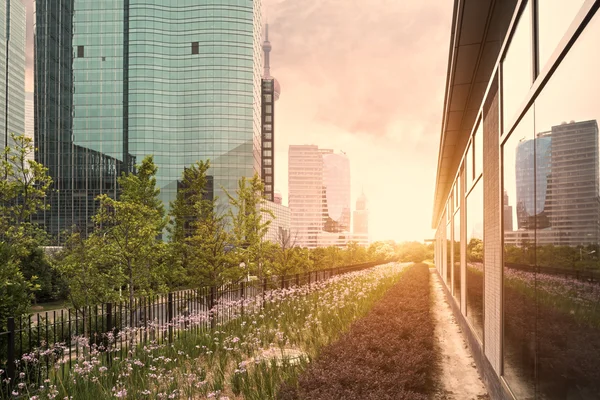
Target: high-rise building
[
  {"x": 336, "y": 189},
  {"x": 361, "y": 216},
  {"x": 53, "y": 122},
  {"x": 29, "y": 117},
  {"x": 12, "y": 70},
  {"x": 573, "y": 188},
  {"x": 178, "y": 81},
  {"x": 270, "y": 93},
  {"x": 319, "y": 195},
  {"x": 532, "y": 170},
  {"x": 305, "y": 193},
  {"x": 508, "y": 211}
]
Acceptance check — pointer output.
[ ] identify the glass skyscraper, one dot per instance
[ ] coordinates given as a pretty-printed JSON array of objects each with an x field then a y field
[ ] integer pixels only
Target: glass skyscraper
[
  {"x": 12, "y": 69},
  {"x": 178, "y": 80}
]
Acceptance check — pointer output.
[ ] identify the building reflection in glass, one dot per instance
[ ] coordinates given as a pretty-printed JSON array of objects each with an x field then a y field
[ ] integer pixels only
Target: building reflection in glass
[{"x": 551, "y": 267}]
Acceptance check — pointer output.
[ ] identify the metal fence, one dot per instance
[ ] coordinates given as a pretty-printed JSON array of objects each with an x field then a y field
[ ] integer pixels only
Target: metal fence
[{"x": 58, "y": 338}]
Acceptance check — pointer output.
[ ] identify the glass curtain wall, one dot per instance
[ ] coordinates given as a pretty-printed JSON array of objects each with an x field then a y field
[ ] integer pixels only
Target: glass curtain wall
[
  {"x": 551, "y": 185},
  {"x": 474, "y": 257}
]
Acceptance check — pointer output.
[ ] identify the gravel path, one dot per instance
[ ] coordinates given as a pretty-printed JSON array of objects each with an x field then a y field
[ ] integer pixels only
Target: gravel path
[{"x": 460, "y": 379}]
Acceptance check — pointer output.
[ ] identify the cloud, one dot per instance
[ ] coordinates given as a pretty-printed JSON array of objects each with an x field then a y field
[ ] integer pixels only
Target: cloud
[
  {"x": 366, "y": 77},
  {"x": 371, "y": 60}
]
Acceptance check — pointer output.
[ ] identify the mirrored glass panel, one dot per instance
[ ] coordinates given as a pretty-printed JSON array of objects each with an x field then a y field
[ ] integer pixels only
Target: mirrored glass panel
[
  {"x": 456, "y": 247},
  {"x": 568, "y": 224},
  {"x": 519, "y": 259},
  {"x": 474, "y": 256},
  {"x": 517, "y": 68},
  {"x": 449, "y": 255},
  {"x": 554, "y": 18}
]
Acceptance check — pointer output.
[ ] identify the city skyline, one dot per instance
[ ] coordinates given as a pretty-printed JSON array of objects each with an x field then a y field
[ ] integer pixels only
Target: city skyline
[{"x": 319, "y": 107}]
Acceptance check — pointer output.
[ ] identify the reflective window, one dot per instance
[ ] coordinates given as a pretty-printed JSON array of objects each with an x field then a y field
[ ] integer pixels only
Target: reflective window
[
  {"x": 478, "y": 150},
  {"x": 469, "y": 166},
  {"x": 517, "y": 68},
  {"x": 456, "y": 248},
  {"x": 568, "y": 232},
  {"x": 554, "y": 18},
  {"x": 519, "y": 259},
  {"x": 449, "y": 254},
  {"x": 474, "y": 256}
]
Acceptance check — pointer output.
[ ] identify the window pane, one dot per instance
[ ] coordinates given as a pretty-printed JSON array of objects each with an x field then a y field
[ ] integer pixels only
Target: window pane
[
  {"x": 568, "y": 325},
  {"x": 457, "y": 263},
  {"x": 519, "y": 260},
  {"x": 449, "y": 254},
  {"x": 517, "y": 68},
  {"x": 478, "y": 150},
  {"x": 554, "y": 18},
  {"x": 474, "y": 256}
]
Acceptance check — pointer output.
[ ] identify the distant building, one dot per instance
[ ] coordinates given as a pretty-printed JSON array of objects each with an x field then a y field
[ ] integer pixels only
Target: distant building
[
  {"x": 305, "y": 193},
  {"x": 508, "y": 217},
  {"x": 277, "y": 198},
  {"x": 280, "y": 227},
  {"x": 270, "y": 91},
  {"x": 12, "y": 70},
  {"x": 361, "y": 216},
  {"x": 572, "y": 197},
  {"x": 319, "y": 195},
  {"x": 29, "y": 118}
]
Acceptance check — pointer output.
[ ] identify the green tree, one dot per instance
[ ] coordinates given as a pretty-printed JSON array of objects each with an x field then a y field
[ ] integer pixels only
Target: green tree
[
  {"x": 90, "y": 280},
  {"x": 23, "y": 187},
  {"x": 191, "y": 204},
  {"x": 128, "y": 230},
  {"x": 248, "y": 227}
]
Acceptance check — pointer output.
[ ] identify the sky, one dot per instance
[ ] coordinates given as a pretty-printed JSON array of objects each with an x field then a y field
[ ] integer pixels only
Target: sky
[{"x": 367, "y": 78}]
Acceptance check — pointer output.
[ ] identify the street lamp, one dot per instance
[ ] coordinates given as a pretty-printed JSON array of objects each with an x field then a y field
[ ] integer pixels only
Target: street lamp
[
  {"x": 242, "y": 266},
  {"x": 581, "y": 253}
]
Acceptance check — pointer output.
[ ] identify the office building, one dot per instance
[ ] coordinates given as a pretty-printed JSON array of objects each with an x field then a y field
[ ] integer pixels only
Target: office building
[
  {"x": 305, "y": 193},
  {"x": 53, "y": 107},
  {"x": 336, "y": 187},
  {"x": 12, "y": 70},
  {"x": 179, "y": 81},
  {"x": 319, "y": 195},
  {"x": 279, "y": 230},
  {"x": 270, "y": 94},
  {"x": 523, "y": 289},
  {"x": 361, "y": 215}
]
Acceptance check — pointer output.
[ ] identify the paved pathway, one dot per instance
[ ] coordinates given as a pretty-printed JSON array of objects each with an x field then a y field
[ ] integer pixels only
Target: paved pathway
[{"x": 460, "y": 379}]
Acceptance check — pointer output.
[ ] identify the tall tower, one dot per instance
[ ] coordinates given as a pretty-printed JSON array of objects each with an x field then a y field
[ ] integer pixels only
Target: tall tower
[
  {"x": 361, "y": 216},
  {"x": 270, "y": 93},
  {"x": 175, "y": 80},
  {"x": 12, "y": 70}
]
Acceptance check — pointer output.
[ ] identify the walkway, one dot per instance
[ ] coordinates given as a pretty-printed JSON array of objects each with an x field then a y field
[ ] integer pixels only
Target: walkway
[{"x": 460, "y": 379}]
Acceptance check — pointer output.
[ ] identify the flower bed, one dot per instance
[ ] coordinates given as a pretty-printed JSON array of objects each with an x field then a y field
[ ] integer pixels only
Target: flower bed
[
  {"x": 388, "y": 354},
  {"x": 247, "y": 356}
]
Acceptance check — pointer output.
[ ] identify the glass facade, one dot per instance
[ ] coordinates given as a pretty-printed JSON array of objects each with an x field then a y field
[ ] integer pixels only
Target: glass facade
[
  {"x": 532, "y": 276},
  {"x": 551, "y": 268},
  {"x": 336, "y": 187},
  {"x": 474, "y": 257},
  {"x": 179, "y": 81},
  {"x": 12, "y": 70},
  {"x": 53, "y": 100}
]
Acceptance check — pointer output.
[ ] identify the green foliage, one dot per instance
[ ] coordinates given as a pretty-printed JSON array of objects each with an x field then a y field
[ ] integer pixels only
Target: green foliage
[
  {"x": 125, "y": 249},
  {"x": 23, "y": 186},
  {"x": 248, "y": 228}
]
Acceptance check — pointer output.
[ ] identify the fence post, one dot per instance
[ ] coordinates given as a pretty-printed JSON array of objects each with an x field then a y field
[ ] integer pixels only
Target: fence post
[
  {"x": 211, "y": 313},
  {"x": 297, "y": 279},
  {"x": 170, "y": 315},
  {"x": 283, "y": 281},
  {"x": 109, "y": 319},
  {"x": 10, "y": 364},
  {"x": 242, "y": 296}
]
